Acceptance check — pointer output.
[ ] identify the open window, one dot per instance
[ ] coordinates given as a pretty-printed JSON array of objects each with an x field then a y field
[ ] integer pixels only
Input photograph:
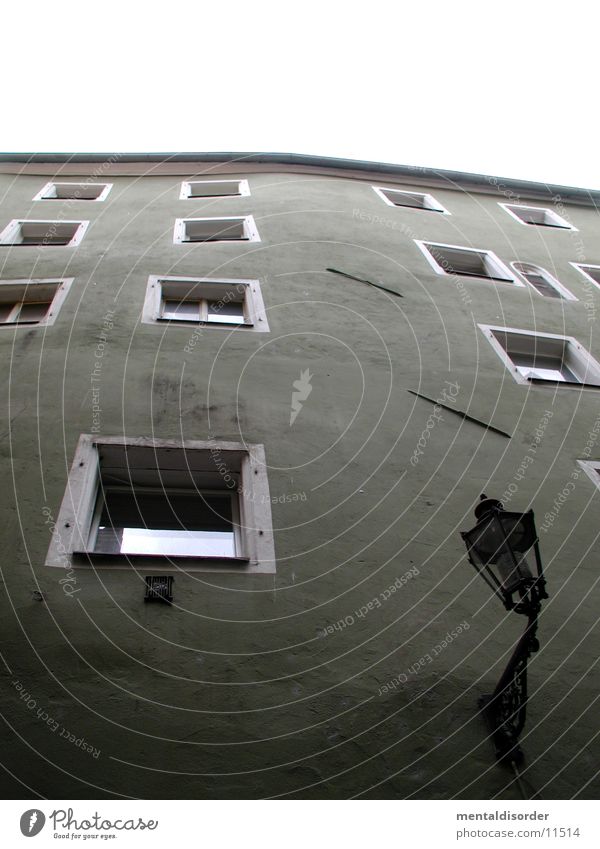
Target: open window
[
  {"x": 238, "y": 229},
  {"x": 543, "y": 358},
  {"x": 31, "y": 302},
  {"x": 466, "y": 262},
  {"x": 161, "y": 504},
  {"x": 590, "y": 272},
  {"x": 592, "y": 470},
  {"x": 156, "y": 520},
  {"x": 413, "y": 200},
  {"x": 214, "y": 189},
  {"x": 43, "y": 233},
  {"x": 226, "y": 303},
  {"x": 542, "y": 281},
  {"x": 74, "y": 191},
  {"x": 538, "y": 216}
]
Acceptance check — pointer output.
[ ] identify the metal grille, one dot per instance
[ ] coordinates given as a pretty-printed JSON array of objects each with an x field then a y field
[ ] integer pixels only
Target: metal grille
[{"x": 159, "y": 588}]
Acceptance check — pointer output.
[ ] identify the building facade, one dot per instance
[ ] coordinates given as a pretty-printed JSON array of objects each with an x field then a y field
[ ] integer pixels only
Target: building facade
[{"x": 236, "y": 465}]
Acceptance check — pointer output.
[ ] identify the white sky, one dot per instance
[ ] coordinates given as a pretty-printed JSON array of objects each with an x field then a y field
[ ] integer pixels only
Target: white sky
[{"x": 509, "y": 88}]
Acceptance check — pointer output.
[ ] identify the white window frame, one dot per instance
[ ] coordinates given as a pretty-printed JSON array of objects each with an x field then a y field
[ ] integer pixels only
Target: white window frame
[
  {"x": 12, "y": 228},
  {"x": 592, "y": 365},
  {"x": 23, "y": 291},
  {"x": 430, "y": 204},
  {"x": 491, "y": 257},
  {"x": 581, "y": 268},
  {"x": 558, "y": 222},
  {"x": 72, "y": 543},
  {"x": 250, "y": 230},
  {"x": 565, "y": 294},
  {"x": 592, "y": 470},
  {"x": 45, "y": 193},
  {"x": 254, "y": 308},
  {"x": 186, "y": 189}
]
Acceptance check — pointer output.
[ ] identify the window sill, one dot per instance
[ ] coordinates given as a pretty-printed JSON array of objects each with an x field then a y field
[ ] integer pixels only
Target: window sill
[
  {"x": 543, "y": 224},
  {"x": 20, "y": 323},
  {"x": 414, "y": 206},
  {"x": 213, "y": 239},
  {"x": 480, "y": 276},
  {"x": 187, "y": 323},
  {"x": 540, "y": 381},
  {"x": 211, "y": 197},
  {"x": 162, "y": 562}
]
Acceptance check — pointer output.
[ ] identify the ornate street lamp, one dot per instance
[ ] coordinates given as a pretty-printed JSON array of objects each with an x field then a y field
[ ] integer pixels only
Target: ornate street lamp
[{"x": 499, "y": 547}]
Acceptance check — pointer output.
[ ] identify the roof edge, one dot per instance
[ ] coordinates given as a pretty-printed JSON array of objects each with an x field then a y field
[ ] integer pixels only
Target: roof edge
[{"x": 414, "y": 173}]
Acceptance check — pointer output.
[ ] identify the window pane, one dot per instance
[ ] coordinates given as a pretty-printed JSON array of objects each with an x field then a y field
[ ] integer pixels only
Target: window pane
[
  {"x": 470, "y": 263},
  {"x": 591, "y": 271},
  {"x": 5, "y": 311},
  {"x": 214, "y": 230},
  {"x": 228, "y": 313},
  {"x": 45, "y": 240},
  {"x": 541, "y": 285},
  {"x": 399, "y": 199},
  {"x": 538, "y": 279},
  {"x": 77, "y": 191},
  {"x": 533, "y": 216},
  {"x": 455, "y": 261},
  {"x": 542, "y": 373},
  {"x": 214, "y": 188},
  {"x": 544, "y": 368},
  {"x": 163, "y": 522},
  {"x": 173, "y": 543},
  {"x": 32, "y": 313},
  {"x": 182, "y": 310}
]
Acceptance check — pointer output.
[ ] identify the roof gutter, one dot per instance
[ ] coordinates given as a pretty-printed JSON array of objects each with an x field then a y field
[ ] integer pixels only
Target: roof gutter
[{"x": 416, "y": 175}]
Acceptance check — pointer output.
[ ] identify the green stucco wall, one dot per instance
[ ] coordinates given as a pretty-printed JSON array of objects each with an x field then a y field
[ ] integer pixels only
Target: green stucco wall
[{"x": 243, "y": 688}]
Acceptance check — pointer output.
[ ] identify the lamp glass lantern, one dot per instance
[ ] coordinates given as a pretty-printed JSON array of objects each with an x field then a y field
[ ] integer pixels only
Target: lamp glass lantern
[{"x": 499, "y": 547}]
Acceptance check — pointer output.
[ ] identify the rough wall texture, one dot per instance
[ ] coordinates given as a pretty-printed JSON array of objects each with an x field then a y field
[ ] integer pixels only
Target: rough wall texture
[{"x": 253, "y": 686}]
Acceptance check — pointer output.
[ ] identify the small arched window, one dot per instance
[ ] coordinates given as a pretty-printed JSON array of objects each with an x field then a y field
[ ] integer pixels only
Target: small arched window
[{"x": 542, "y": 281}]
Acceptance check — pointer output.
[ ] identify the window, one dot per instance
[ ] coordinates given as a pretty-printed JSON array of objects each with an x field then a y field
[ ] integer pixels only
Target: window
[
  {"x": 43, "y": 233},
  {"x": 543, "y": 357},
  {"x": 224, "y": 302},
  {"x": 134, "y": 519},
  {"x": 468, "y": 262},
  {"x": 542, "y": 281},
  {"x": 160, "y": 504},
  {"x": 214, "y": 189},
  {"x": 414, "y": 200},
  {"x": 539, "y": 216},
  {"x": 591, "y": 272},
  {"x": 31, "y": 302},
  {"x": 592, "y": 470},
  {"x": 215, "y": 230},
  {"x": 74, "y": 191}
]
